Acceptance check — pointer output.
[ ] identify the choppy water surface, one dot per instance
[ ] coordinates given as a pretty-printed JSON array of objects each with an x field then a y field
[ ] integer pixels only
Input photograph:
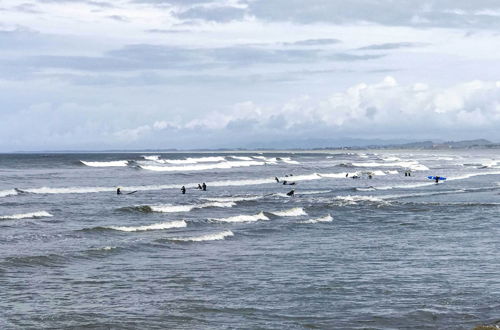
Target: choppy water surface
[{"x": 389, "y": 252}]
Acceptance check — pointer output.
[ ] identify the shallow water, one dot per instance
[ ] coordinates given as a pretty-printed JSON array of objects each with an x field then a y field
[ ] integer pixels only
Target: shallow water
[{"x": 390, "y": 252}]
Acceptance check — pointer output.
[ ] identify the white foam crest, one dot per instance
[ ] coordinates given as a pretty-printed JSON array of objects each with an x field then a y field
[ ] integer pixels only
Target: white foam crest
[
  {"x": 241, "y": 157},
  {"x": 69, "y": 190},
  {"x": 366, "y": 189},
  {"x": 232, "y": 199},
  {"x": 151, "y": 157},
  {"x": 114, "y": 163},
  {"x": 194, "y": 160},
  {"x": 9, "y": 192},
  {"x": 293, "y": 212},
  {"x": 391, "y": 172},
  {"x": 354, "y": 199},
  {"x": 187, "y": 208},
  {"x": 406, "y": 186},
  {"x": 336, "y": 175},
  {"x": 39, "y": 214},
  {"x": 208, "y": 237},
  {"x": 313, "y": 192},
  {"x": 470, "y": 175},
  {"x": 413, "y": 165},
  {"x": 288, "y": 160},
  {"x": 155, "y": 226},
  {"x": 202, "y": 167},
  {"x": 392, "y": 159},
  {"x": 327, "y": 218},
  {"x": 378, "y": 172},
  {"x": 243, "y": 218},
  {"x": 305, "y": 177}
]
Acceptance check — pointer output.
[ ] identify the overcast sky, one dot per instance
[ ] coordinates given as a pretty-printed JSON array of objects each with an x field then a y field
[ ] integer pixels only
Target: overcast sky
[{"x": 102, "y": 74}]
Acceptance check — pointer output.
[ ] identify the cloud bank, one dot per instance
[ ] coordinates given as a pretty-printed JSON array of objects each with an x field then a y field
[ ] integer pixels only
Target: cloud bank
[{"x": 87, "y": 74}]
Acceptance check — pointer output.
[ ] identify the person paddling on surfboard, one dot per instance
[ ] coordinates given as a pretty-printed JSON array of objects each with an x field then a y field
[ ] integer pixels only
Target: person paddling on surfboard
[{"x": 290, "y": 193}]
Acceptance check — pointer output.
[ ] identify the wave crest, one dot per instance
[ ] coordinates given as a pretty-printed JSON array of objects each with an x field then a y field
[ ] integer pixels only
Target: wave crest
[
  {"x": 155, "y": 226},
  {"x": 293, "y": 212},
  {"x": 202, "y": 238},
  {"x": 243, "y": 218},
  {"x": 39, "y": 214}
]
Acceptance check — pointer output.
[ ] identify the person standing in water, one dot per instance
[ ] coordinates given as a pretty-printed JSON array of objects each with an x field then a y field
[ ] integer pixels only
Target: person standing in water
[
  {"x": 204, "y": 186},
  {"x": 118, "y": 191},
  {"x": 437, "y": 179},
  {"x": 183, "y": 190}
]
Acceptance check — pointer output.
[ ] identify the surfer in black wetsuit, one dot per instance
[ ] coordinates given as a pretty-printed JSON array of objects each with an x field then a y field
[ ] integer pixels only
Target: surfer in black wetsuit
[
  {"x": 346, "y": 175},
  {"x": 204, "y": 186},
  {"x": 183, "y": 190},
  {"x": 118, "y": 191},
  {"x": 291, "y": 193},
  {"x": 436, "y": 178},
  {"x": 199, "y": 187}
]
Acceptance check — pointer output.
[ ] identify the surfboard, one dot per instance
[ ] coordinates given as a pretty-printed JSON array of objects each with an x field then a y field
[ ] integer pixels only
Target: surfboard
[
  {"x": 132, "y": 192},
  {"x": 434, "y": 178}
]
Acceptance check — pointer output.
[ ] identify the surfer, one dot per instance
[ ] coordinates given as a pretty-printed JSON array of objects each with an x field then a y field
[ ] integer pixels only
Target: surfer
[
  {"x": 370, "y": 176},
  {"x": 284, "y": 182},
  {"x": 346, "y": 175},
  {"x": 199, "y": 186},
  {"x": 183, "y": 190},
  {"x": 291, "y": 193},
  {"x": 436, "y": 178},
  {"x": 118, "y": 191},
  {"x": 276, "y": 178},
  {"x": 204, "y": 186}
]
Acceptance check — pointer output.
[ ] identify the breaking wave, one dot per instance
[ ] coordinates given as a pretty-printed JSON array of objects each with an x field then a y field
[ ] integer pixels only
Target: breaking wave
[
  {"x": 156, "y": 226},
  {"x": 327, "y": 218},
  {"x": 202, "y": 167},
  {"x": 151, "y": 157},
  {"x": 233, "y": 199},
  {"x": 294, "y": 212},
  {"x": 179, "y": 208},
  {"x": 9, "y": 192},
  {"x": 413, "y": 165},
  {"x": 40, "y": 214},
  {"x": 357, "y": 198},
  {"x": 120, "y": 163},
  {"x": 193, "y": 160},
  {"x": 202, "y": 238},
  {"x": 243, "y": 218}
]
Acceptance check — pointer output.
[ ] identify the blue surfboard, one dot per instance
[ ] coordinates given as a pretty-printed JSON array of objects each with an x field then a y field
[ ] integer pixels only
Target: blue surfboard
[{"x": 434, "y": 178}]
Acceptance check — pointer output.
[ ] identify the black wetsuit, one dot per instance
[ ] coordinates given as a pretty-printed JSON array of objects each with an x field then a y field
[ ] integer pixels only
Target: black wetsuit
[
  {"x": 290, "y": 193},
  {"x": 204, "y": 186},
  {"x": 118, "y": 191},
  {"x": 183, "y": 190}
]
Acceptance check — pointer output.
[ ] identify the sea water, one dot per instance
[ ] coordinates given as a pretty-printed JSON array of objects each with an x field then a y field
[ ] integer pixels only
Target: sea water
[{"x": 389, "y": 252}]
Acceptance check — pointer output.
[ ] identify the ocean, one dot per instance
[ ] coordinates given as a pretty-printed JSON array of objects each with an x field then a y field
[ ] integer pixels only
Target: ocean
[{"x": 386, "y": 252}]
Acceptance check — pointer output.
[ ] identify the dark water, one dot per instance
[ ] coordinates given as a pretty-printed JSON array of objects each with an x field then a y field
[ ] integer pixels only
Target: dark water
[{"x": 391, "y": 252}]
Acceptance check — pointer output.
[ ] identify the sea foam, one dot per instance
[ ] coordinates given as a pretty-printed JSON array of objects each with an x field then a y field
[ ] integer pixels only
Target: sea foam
[
  {"x": 207, "y": 237},
  {"x": 243, "y": 218},
  {"x": 39, "y": 214},
  {"x": 118, "y": 163},
  {"x": 294, "y": 212},
  {"x": 156, "y": 226}
]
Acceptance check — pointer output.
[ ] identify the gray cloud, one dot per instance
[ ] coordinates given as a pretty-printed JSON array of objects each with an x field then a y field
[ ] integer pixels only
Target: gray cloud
[
  {"x": 314, "y": 42},
  {"x": 154, "y": 57},
  {"x": 217, "y": 14},
  {"x": 392, "y": 45},
  {"x": 443, "y": 13}
]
